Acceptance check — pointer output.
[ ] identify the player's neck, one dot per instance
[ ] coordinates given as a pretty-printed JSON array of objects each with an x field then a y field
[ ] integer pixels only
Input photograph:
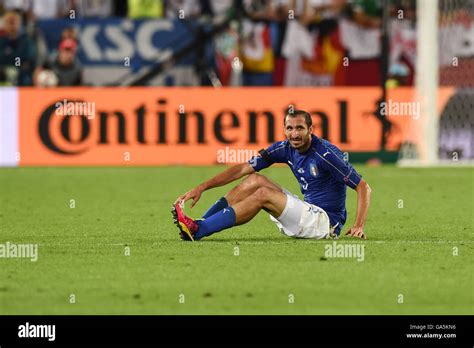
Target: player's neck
[{"x": 306, "y": 147}]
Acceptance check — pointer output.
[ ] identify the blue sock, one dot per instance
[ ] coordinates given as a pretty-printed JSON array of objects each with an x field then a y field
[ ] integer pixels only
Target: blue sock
[
  {"x": 218, "y": 206},
  {"x": 215, "y": 223}
]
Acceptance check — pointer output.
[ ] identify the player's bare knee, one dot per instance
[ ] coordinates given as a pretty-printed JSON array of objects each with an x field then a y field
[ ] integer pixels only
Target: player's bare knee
[
  {"x": 252, "y": 180},
  {"x": 260, "y": 180},
  {"x": 263, "y": 194}
]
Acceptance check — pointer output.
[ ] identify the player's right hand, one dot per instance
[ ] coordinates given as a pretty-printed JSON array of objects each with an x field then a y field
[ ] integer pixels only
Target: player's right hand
[
  {"x": 194, "y": 194},
  {"x": 356, "y": 231}
]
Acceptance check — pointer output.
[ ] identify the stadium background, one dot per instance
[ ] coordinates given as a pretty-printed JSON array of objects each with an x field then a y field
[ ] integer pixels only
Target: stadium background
[
  {"x": 175, "y": 84},
  {"x": 325, "y": 44}
]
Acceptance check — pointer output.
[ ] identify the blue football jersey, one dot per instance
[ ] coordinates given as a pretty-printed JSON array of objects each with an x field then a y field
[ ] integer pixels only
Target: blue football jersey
[{"x": 321, "y": 171}]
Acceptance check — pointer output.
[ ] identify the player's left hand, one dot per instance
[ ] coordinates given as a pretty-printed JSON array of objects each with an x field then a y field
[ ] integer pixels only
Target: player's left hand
[
  {"x": 193, "y": 194},
  {"x": 356, "y": 231}
]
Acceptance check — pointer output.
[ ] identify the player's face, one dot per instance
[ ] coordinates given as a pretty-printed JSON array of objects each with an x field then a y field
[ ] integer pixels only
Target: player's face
[{"x": 297, "y": 132}]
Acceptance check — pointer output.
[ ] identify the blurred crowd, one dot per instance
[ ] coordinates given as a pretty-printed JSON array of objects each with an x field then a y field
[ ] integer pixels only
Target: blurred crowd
[{"x": 274, "y": 43}]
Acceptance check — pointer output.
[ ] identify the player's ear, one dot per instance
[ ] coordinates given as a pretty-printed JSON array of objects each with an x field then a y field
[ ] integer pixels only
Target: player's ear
[{"x": 310, "y": 129}]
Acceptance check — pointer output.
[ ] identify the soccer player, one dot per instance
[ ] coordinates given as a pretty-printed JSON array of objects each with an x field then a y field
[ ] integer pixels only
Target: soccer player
[{"x": 321, "y": 171}]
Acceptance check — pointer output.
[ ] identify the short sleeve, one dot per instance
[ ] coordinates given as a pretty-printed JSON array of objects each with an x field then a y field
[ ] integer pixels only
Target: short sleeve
[
  {"x": 341, "y": 170},
  {"x": 275, "y": 153}
]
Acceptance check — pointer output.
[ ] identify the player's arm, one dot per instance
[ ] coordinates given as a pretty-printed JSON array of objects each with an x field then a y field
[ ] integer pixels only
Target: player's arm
[
  {"x": 227, "y": 176},
  {"x": 273, "y": 154},
  {"x": 363, "y": 202},
  {"x": 345, "y": 173}
]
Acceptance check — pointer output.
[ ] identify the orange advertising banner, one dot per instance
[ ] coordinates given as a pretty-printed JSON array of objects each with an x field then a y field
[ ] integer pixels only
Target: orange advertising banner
[{"x": 166, "y": 126}]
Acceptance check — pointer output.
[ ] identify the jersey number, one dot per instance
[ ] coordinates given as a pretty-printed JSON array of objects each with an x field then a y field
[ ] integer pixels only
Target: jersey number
[{"x": 303, "y": 183}]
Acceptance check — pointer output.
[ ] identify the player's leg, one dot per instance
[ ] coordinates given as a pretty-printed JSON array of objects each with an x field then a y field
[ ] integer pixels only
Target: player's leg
[
  {"x": 240, "y": 192},
  {"x": 270, "y": 199},
  {"x": 248, "y": 186},
  {"x": 257, "y": 193}
]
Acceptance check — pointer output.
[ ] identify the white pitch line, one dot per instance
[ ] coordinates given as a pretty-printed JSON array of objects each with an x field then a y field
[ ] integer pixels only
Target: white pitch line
[
  {"x": 424, "y": 241},
  {"x": 287, "y": 242},
  {"x": 369, "y": 242}
]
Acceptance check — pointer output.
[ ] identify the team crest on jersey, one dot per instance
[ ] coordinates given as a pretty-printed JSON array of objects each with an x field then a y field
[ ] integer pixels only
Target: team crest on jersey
[{"x": 313, "y": 169}]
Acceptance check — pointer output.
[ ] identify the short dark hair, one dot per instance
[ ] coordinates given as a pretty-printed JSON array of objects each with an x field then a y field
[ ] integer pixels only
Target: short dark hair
[{"x": 296, "y": 113}]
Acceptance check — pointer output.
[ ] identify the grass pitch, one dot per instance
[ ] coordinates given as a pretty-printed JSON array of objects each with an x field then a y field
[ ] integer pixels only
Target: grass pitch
[{"x": 417, "y": 260}]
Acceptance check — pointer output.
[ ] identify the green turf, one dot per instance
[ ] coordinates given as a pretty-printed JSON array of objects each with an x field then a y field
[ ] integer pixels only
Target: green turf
[{"x": 81, "y": 249}]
